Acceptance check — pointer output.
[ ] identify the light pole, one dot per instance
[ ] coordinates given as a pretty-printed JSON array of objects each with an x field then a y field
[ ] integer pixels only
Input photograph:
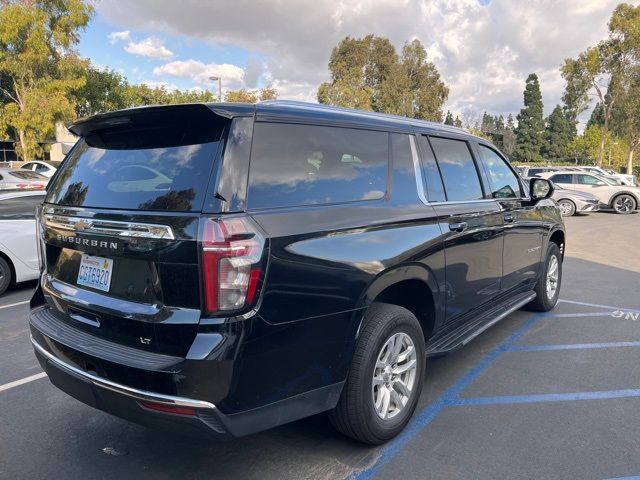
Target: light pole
[{"x": 213, "y": 79}]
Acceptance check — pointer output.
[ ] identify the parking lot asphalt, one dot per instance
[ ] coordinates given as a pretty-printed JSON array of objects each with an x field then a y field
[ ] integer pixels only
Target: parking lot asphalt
[{"x": 552, "y": 395}]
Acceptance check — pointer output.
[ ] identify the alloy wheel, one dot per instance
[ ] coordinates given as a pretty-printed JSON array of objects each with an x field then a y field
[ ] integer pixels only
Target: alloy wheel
[
  {"x": 566, "y": 208},
  {"x": 394, "y": 375},
  {"x": 553, "y": 271},
  {"x": 624, "y": 204}
]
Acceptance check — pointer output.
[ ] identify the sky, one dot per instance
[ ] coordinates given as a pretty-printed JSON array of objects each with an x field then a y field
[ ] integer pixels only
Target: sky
[{"x": 484, "y": 49}]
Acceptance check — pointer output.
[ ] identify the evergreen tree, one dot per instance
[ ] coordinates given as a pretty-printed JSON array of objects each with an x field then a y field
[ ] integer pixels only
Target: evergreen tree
[
  {"x": 530, "y": 130},
  {"x": 597, "y": 116},
  {"x": 499, "y": 124},
  {"x": 457, "y": 122},
  {"x": 488, "y": 123},
  {"x": 558, "y": 135},
  {"x": 509, "y": 136},
  {"x": 448, "y": 119}
]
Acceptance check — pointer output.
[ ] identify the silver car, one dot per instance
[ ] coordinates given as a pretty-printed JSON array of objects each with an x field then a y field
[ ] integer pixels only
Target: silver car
[
  {"x": 572, "y": 202},
  {"x": 19, "y": 179},
  {"x": 18, "y": 244}
]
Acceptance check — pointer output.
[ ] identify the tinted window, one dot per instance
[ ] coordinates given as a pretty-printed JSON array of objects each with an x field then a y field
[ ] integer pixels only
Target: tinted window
[
  {"x": 435, "y": 189},
  {"x": 561, "y": 178},
  {"x": 305, "y": 165},
  {"x": 504, "y": 183},
  {"x": 25, "y": 175},
  {"x": 588, "y": 180},
  {"x": 536, "y": 171},
  {"x": 404, "y": 177},
  {"x": 41, "y": 168},
  {"x": 458, "y": 170},
  {"x": 20, "y": 208},
  {"x": 153, "y": 169}
]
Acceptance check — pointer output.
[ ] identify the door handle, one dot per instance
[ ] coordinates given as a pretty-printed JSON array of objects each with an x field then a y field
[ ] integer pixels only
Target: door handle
[
  {"x": 508, "y": 217},
  {"x": 458, "y": 226}
]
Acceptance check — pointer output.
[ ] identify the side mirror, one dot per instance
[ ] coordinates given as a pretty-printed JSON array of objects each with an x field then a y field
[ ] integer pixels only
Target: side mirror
[
  {"x": 600, "y": 182},
  {"x": 540, "y": 188}
]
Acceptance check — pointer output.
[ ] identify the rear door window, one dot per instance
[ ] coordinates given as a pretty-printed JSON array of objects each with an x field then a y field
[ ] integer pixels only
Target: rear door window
[
  {"x": 151, "y": 169},
  {"x": 459, "y": 173},
  {"x": 503, "y": 181},
  {"x": 561, "y": 178},
  {"x": 295, "y": 165}
]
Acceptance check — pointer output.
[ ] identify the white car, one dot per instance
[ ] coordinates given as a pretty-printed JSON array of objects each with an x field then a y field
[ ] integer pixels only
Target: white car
[
  {"x": 18, "y": 243},
  {"x": 624, "y": 179},
  {"x": 43, "y": 168},
  {"x": 622, "y": 198}
]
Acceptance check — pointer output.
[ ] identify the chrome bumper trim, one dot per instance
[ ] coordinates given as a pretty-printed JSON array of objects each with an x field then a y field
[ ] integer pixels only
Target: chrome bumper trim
[{"x": 123, "y": 389}]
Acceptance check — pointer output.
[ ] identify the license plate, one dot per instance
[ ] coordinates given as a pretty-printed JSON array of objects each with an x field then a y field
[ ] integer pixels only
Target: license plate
[{"x": 95, "y": 272}]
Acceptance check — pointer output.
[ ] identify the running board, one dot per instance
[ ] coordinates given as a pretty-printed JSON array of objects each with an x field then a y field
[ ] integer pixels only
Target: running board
[{"x": 466, "y": 332}]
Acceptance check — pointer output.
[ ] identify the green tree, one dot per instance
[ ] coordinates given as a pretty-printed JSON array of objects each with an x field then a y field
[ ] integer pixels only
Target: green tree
[
  {"x": 368, "y": 74},
  {"x": 605, "y": 69},
  {"x": 625, "y": 120},
  {"x": 39, "y": 66},
  {"x": 448, "y": 119},
  {"x": 104, "y": 91},
  {"x": 530, "y": 130},
  {"x": 584, "y": 149},
  {"x": 457, "y": 122},
  {"x": 558, "y": 135},
  {"x": 597, "y": 116},
  {"x": 251, "y": 96}
]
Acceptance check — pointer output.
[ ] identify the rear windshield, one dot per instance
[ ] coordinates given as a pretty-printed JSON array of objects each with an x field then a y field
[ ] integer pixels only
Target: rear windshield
[
  {"x": 151, "y": 169},
  {"x": 25, "y": 175}
]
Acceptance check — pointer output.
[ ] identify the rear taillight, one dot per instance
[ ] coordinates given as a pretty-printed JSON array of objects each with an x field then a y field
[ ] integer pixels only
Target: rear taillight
[
  {"x": 232, "y": 263},
  {"x": 30, "y": 186}
]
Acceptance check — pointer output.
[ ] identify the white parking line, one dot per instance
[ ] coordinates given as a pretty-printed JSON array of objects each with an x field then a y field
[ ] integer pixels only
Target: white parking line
[
  {"x": 13, "y": 304},
  {"x": 22, "y": 381},
  {"x": 573, "y": 302}
]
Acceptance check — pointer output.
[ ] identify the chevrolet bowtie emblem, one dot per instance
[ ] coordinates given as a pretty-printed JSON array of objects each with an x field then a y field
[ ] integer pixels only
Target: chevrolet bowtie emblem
[{"x": 83, "y": 224}]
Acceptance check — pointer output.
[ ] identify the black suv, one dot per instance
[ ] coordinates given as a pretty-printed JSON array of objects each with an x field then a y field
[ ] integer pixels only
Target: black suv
[{"x": 227, "y": 268}]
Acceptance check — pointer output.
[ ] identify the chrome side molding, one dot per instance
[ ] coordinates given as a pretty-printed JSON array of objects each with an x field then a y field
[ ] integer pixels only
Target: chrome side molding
[{"x": 108, "y": 227}]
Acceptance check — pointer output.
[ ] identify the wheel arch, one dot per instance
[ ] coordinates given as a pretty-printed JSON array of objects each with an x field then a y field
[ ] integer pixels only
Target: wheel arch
[
  {"x": 12, "y": 267},
  {"x": 558, "y": 237},
  {"x": 413, "y": 287},
  {"x": 632, "y": 195}
]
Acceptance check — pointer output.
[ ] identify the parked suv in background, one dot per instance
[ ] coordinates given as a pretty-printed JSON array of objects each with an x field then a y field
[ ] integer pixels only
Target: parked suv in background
[
  {"x": 623, "y": 178},
  {"x": 623, "y": 199},
  {"x": 298, "y": 258}
]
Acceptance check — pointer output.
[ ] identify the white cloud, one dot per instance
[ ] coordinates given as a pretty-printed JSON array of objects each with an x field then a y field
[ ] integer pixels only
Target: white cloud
[
  {"x": 200, "y": 72},
  {"x": 149, "y": 47},
  {"x": 484, "y": 52},
  {"x": 115, "y": 37}
]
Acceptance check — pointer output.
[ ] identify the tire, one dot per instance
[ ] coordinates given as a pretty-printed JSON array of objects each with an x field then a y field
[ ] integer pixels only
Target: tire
[
  {"x": 6, "y": 275},
  {"x": 567, "y": 207},
  {"x": 356, "y": 415},
  {"x": 543, "y": 301},
  {"x": 624, "y": 204}
]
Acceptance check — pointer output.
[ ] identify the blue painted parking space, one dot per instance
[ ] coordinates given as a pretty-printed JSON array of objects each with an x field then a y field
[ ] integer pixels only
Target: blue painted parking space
[{"x": 518, "y": 343}]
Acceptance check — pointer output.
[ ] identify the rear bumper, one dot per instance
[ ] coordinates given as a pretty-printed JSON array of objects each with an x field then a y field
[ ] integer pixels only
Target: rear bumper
[
  {"x": 80, "y": 367},
  {"x": 124, "y": 401}
]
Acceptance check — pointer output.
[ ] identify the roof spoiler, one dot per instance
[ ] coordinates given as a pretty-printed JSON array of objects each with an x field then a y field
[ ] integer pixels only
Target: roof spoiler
[{"x": 129, "y": 118}]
